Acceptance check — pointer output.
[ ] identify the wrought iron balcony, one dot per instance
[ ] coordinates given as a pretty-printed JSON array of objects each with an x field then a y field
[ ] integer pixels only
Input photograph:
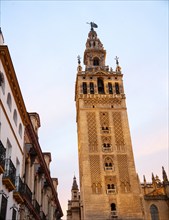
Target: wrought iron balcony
[
  {"x": 27, "y": 193},
  {"x": 36, "y": 206},
  {"x": 2, "y": 157},
  {"x": 18, "y": 192},
  {"x": 8, "y": 178}
]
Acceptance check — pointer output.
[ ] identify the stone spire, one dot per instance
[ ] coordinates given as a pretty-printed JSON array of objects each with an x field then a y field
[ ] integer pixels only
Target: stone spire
[
  {"x": 94, "y": 55},
  {"x": 74, "y": 186},
  {"x": 1, "y": 37},
  {"x": 144, "y": 178},
  {"x": 165, "y": 179}
]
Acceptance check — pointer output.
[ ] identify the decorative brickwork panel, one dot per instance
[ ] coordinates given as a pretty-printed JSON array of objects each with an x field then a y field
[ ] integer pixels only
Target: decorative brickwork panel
[
  {"x": 118, "y": 131},
  {"x": 104, "y": 119},
  {"x": 92, "y": 132},
  {"x": 110, "y": 179},
  {"x": 101, "y": 101},
  {"x": 123, "y": 173},
  {"x": 106, "y": 139},
  {"x": 95, "y": 173},
  {"x": 95, "y": 167}
]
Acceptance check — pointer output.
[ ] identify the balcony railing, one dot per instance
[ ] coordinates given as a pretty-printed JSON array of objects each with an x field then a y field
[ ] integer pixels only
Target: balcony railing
[
  {"x": 18, "y": 192},
  {"x": 109, "y": 168},
  {"x": 36, "y": 206},
  {"x": 111, "y": 191},
  {"x": 27, "y": 192},
  {"x": 105, "y": 130},
  {"x": 114, "y": 215},
  {"x": 9, "y": 175},
  {"x": 2, "y": 157}
]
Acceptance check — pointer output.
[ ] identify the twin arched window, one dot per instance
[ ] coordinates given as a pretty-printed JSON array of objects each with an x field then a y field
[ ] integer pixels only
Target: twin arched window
[
  {"x": 108, "y": 163},
  {"x": 111, "y": 186}
]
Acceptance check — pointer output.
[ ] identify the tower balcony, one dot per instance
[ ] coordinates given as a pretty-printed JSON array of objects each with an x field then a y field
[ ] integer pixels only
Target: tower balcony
[
  {"x": 108, "y": 168},
  {"x": 113, "y": 215},
  {"x": 2, "y": 158},
  {"x": 111, "y": 191},
  {"x": 105, "y": 130},
  {"x": 97, "y": 68},
  {"x": 8, "y": 178},
  {"x": 18, "y": 192},
  {"x": 107, "y": 147}
]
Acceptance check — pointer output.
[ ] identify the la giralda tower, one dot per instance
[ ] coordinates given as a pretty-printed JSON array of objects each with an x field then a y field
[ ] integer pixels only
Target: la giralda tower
[{"x": 109, "y": 185}]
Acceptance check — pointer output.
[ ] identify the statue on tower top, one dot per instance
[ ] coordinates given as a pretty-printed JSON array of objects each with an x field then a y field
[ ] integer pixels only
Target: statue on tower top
[
  {"x": 118, "y": 68},
  {"x": 93, "y": 25}
]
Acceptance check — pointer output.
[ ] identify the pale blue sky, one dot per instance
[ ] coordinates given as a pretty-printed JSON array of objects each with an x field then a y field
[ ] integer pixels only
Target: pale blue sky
[{"x": 44, "y": 39}]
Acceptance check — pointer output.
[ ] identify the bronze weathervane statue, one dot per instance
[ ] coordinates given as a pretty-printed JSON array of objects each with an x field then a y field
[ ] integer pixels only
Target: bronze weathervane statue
[{"x": 93, "y": 25}]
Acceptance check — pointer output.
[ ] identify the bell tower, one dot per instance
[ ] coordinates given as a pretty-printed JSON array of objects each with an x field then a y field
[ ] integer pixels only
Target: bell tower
[{"x": 109, "y": 186}]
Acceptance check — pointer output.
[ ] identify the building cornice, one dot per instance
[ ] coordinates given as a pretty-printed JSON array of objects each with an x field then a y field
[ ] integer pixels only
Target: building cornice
[
  {"x": 12, "y": 79},
  {"x": 33, "y": 137}
]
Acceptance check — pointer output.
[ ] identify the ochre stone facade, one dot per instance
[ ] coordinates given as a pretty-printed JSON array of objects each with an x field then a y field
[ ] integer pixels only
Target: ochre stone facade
[{"x": 109, "y": 185}]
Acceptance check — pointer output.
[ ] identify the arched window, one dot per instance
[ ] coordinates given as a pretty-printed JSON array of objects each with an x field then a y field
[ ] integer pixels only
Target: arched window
[
  {"x": 20, "y": 130},
  {"x": 84, "y": 88},
  {"x": 117, "y": 88},
  {"x": 108, "y": 163},
  {"x": 113, "y": 211},
  {"x": 110, "y": 88},
  {"x": 2, "y": 82},
  {"x": 100, "y": 85},
  {"x": 154, "y": 212},
  {"x": 15, "y": 117},
  {"x": 91, "y": 88},
  {"x": 112, "y": 186},
  {"x": 113, "y": 207},
  {"x": 96, "y": 61},
  {"x": 9, "y": 101},
  {"x": 108, "y": 186}
]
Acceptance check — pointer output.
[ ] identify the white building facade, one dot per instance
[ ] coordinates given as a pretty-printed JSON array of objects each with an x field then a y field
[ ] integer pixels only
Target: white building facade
[
  {"x": 27, "y": 191},
  {"x": 12, "y": 127}
]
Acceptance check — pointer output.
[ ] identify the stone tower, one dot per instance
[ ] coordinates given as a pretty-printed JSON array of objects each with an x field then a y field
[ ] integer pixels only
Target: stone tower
[
  {"x": 109, "y": 185},
  {"x": 73, "y": 212}
]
